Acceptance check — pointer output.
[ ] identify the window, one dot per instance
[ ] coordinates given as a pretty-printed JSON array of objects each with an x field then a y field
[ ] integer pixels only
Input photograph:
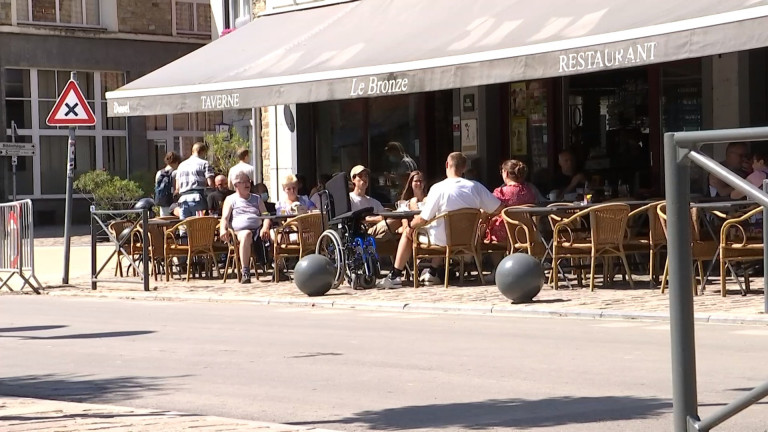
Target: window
[
  {"x": 236, "y": 13},
  {"x": 177, "y": 132},
  {"x": 193, "y": 17},
  {"x": 30, "y": 96},
  {"x": 68, "y": 12}
]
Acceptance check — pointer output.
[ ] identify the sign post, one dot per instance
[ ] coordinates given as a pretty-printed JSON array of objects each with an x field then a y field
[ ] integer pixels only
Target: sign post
[{"x": 71, "y": 109}]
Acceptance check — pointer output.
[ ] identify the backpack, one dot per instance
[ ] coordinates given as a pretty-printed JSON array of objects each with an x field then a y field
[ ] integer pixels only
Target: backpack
[{"x": 164, "y": 189}]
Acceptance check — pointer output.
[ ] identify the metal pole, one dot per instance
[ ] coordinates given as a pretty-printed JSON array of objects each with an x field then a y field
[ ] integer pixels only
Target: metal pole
[
  {"x": 145, "y": 247},
  {"x": 68, "y": 202},
  {"x": 93, "y": 251},
  {"x": 14, "y": 159},
  {"x": 765, "y": 247},
  {"x": 677, "y": 181},
  {"x": 733, "y": 408}
]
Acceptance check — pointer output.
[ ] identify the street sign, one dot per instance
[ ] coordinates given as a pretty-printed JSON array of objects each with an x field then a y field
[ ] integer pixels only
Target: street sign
[
  {"x": 17, "y": 146},
  {"x": 4, "y": 152},
  {"x": 71, "y": 109}
]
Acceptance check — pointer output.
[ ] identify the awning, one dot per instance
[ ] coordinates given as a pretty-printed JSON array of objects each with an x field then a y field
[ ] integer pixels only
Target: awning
[{"x": 371, "y": 48}]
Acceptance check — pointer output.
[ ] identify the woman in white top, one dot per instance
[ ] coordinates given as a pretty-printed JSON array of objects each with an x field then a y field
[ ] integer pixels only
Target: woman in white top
[
  {"x": 413, "y": 195},
  {"x": 293, "y": 203}
]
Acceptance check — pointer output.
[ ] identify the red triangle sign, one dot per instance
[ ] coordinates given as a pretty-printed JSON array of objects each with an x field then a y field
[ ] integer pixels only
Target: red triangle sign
[{"x": 71, "y": 109}]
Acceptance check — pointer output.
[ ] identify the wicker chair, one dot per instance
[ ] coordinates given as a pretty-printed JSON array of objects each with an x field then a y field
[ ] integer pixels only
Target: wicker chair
[
  {"x": 297, "y": 237},
  {"x": 116, "y": 228},
  {"x": 579, "y": 231},
  {"x": 607, "y": 222},
  {"x": 639, "y": 241},
  {"x": 461, "y": 228},
  {"x": 522, "y": 232},
  {"x": 200, "y": 234},
  {"x": 488, "y": 246},
  {"x": 702, "y": 249},
  {"x": 156, "y": 246},
  {"x": 737, "y": 244}
]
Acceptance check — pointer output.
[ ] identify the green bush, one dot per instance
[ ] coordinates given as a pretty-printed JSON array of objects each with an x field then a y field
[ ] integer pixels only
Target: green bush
[
  {"x": 222, "y": 153},
  {"x": 109, "y": 192}
]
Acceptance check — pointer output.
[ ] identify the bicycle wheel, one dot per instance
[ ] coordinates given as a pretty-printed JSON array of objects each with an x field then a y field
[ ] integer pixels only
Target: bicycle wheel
[{"x": 329, "y": 245}]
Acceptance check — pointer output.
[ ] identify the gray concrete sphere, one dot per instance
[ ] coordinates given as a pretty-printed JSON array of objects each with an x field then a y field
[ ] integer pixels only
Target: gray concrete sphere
[
  {"x": 519, "y": 277},
  {"x": 314, "y": 275}
]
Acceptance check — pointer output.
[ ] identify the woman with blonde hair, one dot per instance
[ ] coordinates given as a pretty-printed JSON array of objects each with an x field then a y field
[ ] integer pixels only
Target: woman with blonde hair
[{"x": 293, "y": 203}]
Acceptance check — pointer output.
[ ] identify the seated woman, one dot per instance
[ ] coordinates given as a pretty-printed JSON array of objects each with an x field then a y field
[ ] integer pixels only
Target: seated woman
[
  {"x": 569, "y": 178},
  {"x": 413, "y": 195},
  {"x": 293, "y": 202},
  {"x": 759, "y": 171},
  {"x": 242, "y": 212},
  {"x": 515, "y": 191}
]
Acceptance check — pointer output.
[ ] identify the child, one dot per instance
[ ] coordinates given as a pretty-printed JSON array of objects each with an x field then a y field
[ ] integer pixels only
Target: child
[{"x": 759, "y": 171}]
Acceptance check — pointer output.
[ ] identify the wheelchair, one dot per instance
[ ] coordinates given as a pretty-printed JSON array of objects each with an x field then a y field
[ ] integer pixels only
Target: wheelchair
[{"x": 346, "y": 241}]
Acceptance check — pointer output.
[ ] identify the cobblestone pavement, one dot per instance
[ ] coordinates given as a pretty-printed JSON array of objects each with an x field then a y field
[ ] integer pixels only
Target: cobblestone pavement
[
  {"x": 616, "y": 301},
  {"x": 25, "y": 414}
]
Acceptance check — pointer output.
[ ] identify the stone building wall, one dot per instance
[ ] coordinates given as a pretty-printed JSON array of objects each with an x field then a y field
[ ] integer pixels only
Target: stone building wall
[{"x": 145, "y": 16}]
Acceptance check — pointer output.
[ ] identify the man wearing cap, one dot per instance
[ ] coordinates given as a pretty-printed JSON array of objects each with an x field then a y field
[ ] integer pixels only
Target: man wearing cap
[{"x": 359, "y": 200}]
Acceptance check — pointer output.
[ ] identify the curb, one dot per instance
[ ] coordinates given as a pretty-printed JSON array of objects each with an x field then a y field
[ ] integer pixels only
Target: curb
[{"x": 500, "y": 310}]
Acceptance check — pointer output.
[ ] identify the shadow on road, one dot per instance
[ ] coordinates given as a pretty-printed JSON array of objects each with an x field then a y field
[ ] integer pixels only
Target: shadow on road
[
  {"x": 30, "y": 328},
  {"x": 86, "y": 335},
  {"x": 84, "y": 388},
  {"x": 518, "y": 413}
]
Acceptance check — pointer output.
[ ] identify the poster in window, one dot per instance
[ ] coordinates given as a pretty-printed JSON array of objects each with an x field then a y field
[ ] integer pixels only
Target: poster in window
[
  {"x": 469, "y": 136},
  {"x": 518, "y": 96},
  {"x": 518, "y": 136}
]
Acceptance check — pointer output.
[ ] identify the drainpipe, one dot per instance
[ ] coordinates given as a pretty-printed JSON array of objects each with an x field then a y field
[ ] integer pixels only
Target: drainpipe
[{"x": 256, "y": 144}]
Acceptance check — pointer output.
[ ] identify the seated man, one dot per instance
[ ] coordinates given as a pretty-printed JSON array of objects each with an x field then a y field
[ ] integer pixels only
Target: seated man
[
  {"x": 453, "y": 193},
  {"x": 242, "y": 212},
  {"x": 359, "y": 200},
  {"x": 216, "y": 198}
]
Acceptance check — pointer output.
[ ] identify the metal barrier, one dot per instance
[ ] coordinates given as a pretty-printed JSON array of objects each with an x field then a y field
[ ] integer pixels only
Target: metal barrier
[
  {"x": 120, "y": 242},
  {"x": 680, "y": 149},
  {"x": 17, "y": 244}
]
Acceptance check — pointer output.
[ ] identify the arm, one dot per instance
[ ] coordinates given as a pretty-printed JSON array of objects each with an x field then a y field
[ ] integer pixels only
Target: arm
[
  {"x": 756, "y": 178},
  {"x": 209, "y": 174},
  {"x": 226, "y": 214},
  {"x": 578, "y": 179},
  {"x": 720, "y": 186}
]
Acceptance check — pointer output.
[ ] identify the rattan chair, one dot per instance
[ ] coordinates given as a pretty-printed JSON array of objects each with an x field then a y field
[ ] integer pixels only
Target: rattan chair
[
  {"x": 522, "y": 232},
  {"x": 200, "y": 232},
  {"x": 461, "y": 228},
  {"x": 702, "y": 249},
  {"x": 640, "y": 241},
  {"x": 297, "y": 237},
  {"x": 607, "y": 223},
  {"x": 116, "y": 228},
  {"x": 155, "y": 246},
  {"x": 580, "y": 230},
  {"x": 738, "y": 244}
]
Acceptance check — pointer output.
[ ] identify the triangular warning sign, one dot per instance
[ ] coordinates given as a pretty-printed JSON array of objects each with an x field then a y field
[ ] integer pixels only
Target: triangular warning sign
[{"x": 71, "y": 109}]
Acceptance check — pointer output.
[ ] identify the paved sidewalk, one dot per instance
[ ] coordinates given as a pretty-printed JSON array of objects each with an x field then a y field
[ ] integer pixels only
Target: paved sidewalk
[
  {"x": 25, "y": 414},
  {"x": 642, "y": 302}
]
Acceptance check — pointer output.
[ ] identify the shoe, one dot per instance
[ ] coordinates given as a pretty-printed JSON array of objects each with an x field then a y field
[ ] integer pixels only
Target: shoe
[
  {"x": 246, "y": 279},
  {"x": 428, "y": 278},
  {"x": 388, "y": 283}
]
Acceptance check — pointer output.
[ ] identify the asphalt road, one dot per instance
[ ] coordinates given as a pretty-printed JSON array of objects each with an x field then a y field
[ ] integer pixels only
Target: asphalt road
[{"x": 367, "y": 370}]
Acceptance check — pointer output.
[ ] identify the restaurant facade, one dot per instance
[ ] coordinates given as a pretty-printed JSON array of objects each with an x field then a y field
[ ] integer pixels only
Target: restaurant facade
[{"x": 605, "y": 82}]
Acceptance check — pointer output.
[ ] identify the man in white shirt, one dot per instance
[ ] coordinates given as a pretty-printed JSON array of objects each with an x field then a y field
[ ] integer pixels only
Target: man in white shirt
[
  {"x": 241, "y": 167},
  {"x": 359, "y": 200},
  {"x": 453, "y": 193}
]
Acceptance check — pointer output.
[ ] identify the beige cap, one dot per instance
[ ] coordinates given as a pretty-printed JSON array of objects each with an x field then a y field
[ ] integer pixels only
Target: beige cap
[{"x": 357, "y": 169}]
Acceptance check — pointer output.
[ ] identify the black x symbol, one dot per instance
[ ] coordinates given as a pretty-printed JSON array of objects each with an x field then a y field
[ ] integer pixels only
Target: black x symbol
[{"x": 71, "y": 109}]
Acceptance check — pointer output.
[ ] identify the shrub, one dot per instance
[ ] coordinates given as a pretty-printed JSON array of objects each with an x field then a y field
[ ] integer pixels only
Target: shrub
[
  {"x": 109, "y": 192},
  {"x": 222, "y": 152}
]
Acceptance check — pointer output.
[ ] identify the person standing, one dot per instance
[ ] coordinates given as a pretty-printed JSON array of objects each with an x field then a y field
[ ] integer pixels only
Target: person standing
[
  {"x": 192, "y": 177},
  {"x": 164, "y": 183},
  {"x": 241, "y": 167}
]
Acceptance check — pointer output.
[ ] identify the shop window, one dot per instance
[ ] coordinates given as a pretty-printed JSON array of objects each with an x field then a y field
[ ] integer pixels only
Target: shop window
[
  {"x": 193, "y": 17},
  {"x": 339, "y": 128},
  {"x": 111, "y": 81},
  {"x": 115, "y": 155},
  {"x": 67, "y": 12},
  {"x": 53, "y": 161},
  {"x": 24, "y": 172},
  {"x": 528, "y": 126},
  {"x": 18, "y": 99}
]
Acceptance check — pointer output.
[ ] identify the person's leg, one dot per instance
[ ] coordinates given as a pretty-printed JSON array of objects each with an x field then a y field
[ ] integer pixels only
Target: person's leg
[
  {"x": 246, "y": 241},
  {"x": 186, "y": 209},
  {"x": 404, "y": 250}
]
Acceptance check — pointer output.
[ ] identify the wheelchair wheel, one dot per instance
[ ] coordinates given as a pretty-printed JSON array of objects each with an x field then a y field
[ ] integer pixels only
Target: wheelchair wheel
[
  {"x": 329, "y": 245},
  {"x": 368, "y": 280}
]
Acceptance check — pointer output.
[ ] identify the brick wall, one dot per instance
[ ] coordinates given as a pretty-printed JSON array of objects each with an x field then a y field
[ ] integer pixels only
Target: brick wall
[
  {"x": 145, "y": 16},
  {"x": 5, "y": 11}
]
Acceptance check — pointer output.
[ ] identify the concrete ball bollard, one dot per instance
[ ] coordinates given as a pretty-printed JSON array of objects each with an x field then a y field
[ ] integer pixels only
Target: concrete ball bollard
[
  {"x": 314, "y": 275},
  {"x": 519, "y": 277}
]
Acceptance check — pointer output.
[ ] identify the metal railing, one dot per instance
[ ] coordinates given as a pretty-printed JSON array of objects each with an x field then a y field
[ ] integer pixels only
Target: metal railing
[
  {"x": 680, "y": 149},
  {"x": 120, "y": 242},
  {"x": 17, "y": 244}
]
